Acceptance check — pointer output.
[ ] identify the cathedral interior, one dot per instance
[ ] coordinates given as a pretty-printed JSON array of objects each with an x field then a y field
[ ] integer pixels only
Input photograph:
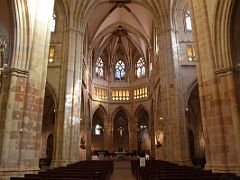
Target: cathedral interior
[{"x": 119, "y": 76}]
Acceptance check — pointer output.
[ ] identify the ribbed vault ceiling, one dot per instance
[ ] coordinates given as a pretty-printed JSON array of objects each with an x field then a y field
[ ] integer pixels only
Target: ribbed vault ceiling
[{"x": 122, "y": 23}]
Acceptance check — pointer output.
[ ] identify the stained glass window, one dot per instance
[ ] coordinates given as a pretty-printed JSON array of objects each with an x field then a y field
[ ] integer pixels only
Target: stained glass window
[
  {"x": 119, "y": 70},
  {"x": 140, "y": 67},
  {"x": 99, "y": 67},
  {"x": 53, "y": 23},
  {"x": 98, "y": 129},
  {"x": 188, "y": 22}
]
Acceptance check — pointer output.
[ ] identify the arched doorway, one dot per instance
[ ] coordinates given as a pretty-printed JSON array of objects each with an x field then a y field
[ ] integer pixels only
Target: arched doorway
[
  {"x": 49, "y": 148},
  {"x": 48, "y": 123},
  {"x": 98, "y": 129},
  {"x": 144, "y": 140},
  {"x": 120, "y": 132},
  {"x": 195, "y": 129}
]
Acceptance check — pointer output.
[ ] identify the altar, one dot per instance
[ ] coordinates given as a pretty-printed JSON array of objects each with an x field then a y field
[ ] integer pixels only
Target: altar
[{"x": 121, "y": 155}]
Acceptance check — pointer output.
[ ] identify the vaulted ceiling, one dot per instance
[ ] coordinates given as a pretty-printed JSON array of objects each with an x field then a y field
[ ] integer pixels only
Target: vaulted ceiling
[{"x": 120, "y": 24}]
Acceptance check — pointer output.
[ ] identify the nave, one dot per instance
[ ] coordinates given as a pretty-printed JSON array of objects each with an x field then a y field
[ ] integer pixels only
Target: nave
[{"x": 119, "y": 76}]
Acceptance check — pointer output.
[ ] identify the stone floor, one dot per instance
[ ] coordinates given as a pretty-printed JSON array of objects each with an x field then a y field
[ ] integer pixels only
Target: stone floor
[{"x": 122, "y": 171}]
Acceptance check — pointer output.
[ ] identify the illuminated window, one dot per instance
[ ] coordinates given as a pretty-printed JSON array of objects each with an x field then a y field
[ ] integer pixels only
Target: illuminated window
[
  {"x": 51, "y": 57},
  {"x": 99, "y": 67},
  {"x": 119, "y": 70},
  {"x": 120, "y": 95},
  {"x": 188, "y": 23},
  {"x": 140, "y": 93},
  {"x": 101, "y": 93},
  {"x": 53, "y": 23},
  {"x": 98, "y": 129},
  {"x": 191, "y": 53},
  {"x": 140, "y": 67}
]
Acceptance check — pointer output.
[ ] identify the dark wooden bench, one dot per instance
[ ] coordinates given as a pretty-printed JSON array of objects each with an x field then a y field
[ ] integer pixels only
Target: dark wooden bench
[
  {"x": 83, "y": 170},
  {"x": 156, "y": 169}
]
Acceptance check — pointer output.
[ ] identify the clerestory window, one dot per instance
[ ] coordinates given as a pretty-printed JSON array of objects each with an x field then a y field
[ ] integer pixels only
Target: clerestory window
[
  {"x": 53, "y": 23},
  {"x": 188, "y": 22},
  {"x": 99, "y": 67},
  {"x": 119, "y": 70},
  {"x": 140, "y": 68}
]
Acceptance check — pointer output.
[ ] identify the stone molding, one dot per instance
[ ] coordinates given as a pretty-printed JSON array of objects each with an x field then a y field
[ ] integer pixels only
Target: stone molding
[{"x": 15, "y": 72}]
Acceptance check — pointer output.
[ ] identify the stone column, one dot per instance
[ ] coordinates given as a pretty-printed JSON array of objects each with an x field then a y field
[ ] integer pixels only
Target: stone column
[
  {"x": 110, "y": 132},
  {"x": 68, "y": 150},
  {"x": 171, "y": 97},
  {"x": 133, "y": 132},
  {"x": 152, "y": 117},
  {"x": 218, "y": 100},
  {"x": 219, "y": 108},
  {"x": 22, "y": 92},
  {"x": 105, "y": 132}
]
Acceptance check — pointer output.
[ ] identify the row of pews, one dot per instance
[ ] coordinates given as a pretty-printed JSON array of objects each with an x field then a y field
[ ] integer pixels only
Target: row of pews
[
  {"x": 157, "y": 169},
  {"x": 82, "y": 170}
]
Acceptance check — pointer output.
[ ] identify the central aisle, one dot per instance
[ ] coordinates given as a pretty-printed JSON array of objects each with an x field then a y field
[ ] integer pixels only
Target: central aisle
[{"x": 122, "y": 171}]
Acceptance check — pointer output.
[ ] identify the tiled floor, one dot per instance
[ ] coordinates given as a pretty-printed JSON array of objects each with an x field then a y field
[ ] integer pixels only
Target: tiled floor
[{"x": 122, "y": 171}]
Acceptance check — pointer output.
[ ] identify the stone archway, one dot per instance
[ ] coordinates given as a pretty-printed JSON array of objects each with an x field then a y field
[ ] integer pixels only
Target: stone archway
[
  {"x": 49, "y": 148},
  {"x": 195, "y": 128},
  {"x": 143, "y": 124},
  {"x": 98, "y": 131},
  {"x": 120, "y": 132},
  {"x": 48, "y": 124}
]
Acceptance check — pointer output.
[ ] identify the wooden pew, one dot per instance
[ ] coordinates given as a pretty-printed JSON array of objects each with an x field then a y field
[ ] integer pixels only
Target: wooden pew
[
  {"x": 83, "y": 170},
  {"x": 156, "y": 169}
]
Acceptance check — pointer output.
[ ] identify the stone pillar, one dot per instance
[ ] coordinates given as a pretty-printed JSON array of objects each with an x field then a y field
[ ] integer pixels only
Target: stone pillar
[
  {"x": 171, "y": 97},
  {"x": 22, "y": 92},
  {"x": 110, "y": 132},
  {"x": 88, "y": 143},
  {"x": 219, "y": 108},
  {"x": 152, "y": 117},
  {"x": 133, "y": 132},
  {"x": 68, "y": 149}
]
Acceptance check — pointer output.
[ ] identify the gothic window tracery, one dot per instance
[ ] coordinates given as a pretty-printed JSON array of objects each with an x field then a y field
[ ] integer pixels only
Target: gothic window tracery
[
  {"x": 53, "y": 22},
  {"x": 188, "y": 23},
  {"x": 98, "y": 129},
  {"x": 119, "y": 70},
  {"x": 140, "y": 67},
  {"x": 99, "y": 67}
]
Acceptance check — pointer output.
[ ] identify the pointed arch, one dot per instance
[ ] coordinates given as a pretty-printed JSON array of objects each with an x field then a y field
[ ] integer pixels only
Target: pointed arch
[
  {"x": 139, "y": 108},
  {"x": 101, "y": 108},
  {"x": 121, "y": 130},
  {"x": 189, "y": 91},
  {"x": 221, "y": 32},
  {"x": 52, "y": 91},
  {"x": 99, "y": 121},
  {"x": 118, "y": 109}
]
